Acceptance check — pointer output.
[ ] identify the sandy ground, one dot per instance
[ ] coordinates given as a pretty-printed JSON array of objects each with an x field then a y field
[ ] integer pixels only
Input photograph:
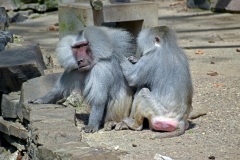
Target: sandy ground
[{"x": 214, "y": 136}]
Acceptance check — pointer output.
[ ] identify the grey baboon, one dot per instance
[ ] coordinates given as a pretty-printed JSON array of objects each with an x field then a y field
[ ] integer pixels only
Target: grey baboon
[
  {"x": 163, "y": 81},
  {"x": 91, "y": 60}
]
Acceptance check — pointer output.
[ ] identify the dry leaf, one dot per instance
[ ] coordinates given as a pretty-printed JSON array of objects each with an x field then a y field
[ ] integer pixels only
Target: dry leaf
[
  {"x": 212, "y": 73},
  {"x": 174, "y": 4},
  {"x": 218, "y": 85},
  {"x": 199, "y": 52},
  {"x": 53, "y": 28},
  {"x": 211, "y": 41}
]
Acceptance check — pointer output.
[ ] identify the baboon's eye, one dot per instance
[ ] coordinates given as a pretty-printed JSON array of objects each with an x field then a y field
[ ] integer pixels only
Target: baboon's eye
[
  {"x": 157, "y": 42},
  {"x": 157, "y": 39}
]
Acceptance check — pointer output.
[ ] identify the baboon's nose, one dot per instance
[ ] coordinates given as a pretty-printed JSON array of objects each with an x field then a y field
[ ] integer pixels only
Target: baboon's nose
[{"x": 80, "y": 61}]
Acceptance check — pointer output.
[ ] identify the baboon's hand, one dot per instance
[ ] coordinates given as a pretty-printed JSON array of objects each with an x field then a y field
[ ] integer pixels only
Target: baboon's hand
[
  {"x": 133, "y": 59},
  {"x": 37, "y": 101},
  {"x": 90, "y": 129}
]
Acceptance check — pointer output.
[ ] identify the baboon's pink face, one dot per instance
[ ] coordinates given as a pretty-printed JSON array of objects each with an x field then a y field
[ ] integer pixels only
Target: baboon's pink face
[{"x": 83, "y": 56}]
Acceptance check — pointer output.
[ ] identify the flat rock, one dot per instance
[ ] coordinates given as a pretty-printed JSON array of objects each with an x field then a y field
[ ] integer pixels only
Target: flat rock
[
  {"x": 50, "y": 123},
  {"x": 35, "y": 88},
  {"x": 5, "y": 38},
  {"x": 53, "y": 132},
  {"x": 9, "y": 4},
  {"x": 9, "y": 105},
  {"x": 38, "y": 87},
  {"x": 13, "y": 129},
  {"x": 75, "y": 151},
  {"x": 234, "y": 5},
  {"x": 47, "y": 123},
  {"x": 4, "y": 21},
  {"x": 229, "y": 5},
  {"x": 20, "y": 145},
  {"x": 18, "y": 65},
  {"x": 39, "y": 112}
]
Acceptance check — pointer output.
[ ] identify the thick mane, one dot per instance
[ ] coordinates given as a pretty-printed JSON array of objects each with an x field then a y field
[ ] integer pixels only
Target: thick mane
[
  {"x": 103, "y": 47},
  {"x": 64, "y": 53},
  {"x": 124, "y": 42}
]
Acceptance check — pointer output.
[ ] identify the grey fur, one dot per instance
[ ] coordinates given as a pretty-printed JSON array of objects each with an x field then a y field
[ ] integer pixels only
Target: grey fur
[
  {"x": 164, "y": 69},
  {"x": 104, "y": 85}
]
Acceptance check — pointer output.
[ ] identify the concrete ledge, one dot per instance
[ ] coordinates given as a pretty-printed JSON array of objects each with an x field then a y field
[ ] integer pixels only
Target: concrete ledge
[{"x": 133, "y": 16}]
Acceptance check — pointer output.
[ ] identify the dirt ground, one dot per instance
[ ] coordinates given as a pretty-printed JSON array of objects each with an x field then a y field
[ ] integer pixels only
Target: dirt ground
[{"x": 216, "y": 39}]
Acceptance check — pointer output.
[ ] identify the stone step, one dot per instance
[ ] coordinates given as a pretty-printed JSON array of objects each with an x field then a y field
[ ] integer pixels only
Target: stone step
[
  {"x": 74, "y": 151},
  {"x": 47, "y": 123},
  {"x": 13, "y": 129},
  {"x": 18, "y": 143},
  {"x": 32, "y": 89},
  {"x": 53, "y": 132},
  {"x": 41, "y": 112}
]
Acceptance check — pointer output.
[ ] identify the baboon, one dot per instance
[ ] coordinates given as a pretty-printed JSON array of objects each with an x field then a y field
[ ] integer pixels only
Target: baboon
[
  {"x": 163, "y": 81},
  {"x": 91, "y": 60}
]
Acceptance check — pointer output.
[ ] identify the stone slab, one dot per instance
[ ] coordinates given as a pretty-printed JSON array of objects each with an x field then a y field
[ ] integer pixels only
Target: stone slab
[
  {"x": 18, "y": 65},
  {"x": 5, "y": 38},
  {"x": 9, "y": 105},
  {"x": 4, "y": 21},
  {"x": 75, "y": 151},
  {"x": 9, "y": 4},
  {"x": 51, "y": 123},
  {"x": 47, "y": 123},
  {"x": 13, "y": 129},
  {"x": 20, "y": 145},
  {"x": 234, "y": 5},
  {"x": 38, "y": 87},
  {"x": 53, "y": 132},
  {"x": 40, "y": 112},
  {"x": 228, "y": 5},
  {"x": 35, "y": 88}
]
